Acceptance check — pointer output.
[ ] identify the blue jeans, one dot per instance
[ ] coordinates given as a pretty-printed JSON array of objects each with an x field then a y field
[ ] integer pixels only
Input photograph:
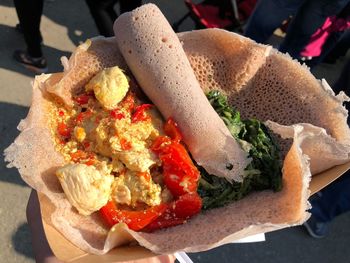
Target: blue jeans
[
  {"x": 334, "y": 200},
  {"x": 308, "y": 16},
  {"x": 269, "y": 15}
]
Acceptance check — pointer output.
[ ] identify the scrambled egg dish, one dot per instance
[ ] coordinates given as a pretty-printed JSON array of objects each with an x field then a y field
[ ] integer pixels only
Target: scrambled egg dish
[{"x": 106, "y": 139}]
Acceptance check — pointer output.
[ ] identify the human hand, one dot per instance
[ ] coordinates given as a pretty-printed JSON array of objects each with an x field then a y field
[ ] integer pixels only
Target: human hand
[{"x": 41, "y": 248}]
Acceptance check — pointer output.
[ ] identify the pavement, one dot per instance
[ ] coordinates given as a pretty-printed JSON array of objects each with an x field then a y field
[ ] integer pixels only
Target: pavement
[{"x": 65, "y": 24}]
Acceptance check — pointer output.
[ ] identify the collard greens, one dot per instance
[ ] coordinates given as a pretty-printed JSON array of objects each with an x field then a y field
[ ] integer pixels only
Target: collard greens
[{"x": 265, "y": 170}]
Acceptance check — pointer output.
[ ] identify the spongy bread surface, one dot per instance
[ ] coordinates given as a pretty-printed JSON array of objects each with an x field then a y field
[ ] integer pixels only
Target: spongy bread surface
[
  {"x": 225, "y": 60},
  {"x": 276, "y": 88},
  {"x": 156, "y": 58},
  {"x": 252, "y": 215},
  {"x": 260, "y": 212}
]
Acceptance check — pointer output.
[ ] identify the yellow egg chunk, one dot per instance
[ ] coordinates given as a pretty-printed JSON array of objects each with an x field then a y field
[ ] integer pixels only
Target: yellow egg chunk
[
  {"x": 138, "y": 157},
  {"x": 86, "y": 188},
  {"x": 79, "y": 133},
  {"x": 109, "y": 150},
  {"x": 132, "y": 188},
  {"x": 110, "y": 87},
  {"x": 138, "y": 161}
]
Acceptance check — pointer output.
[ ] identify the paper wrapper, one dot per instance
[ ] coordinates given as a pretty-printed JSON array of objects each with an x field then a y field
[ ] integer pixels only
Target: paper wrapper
[
  {"x": 254, "y": 214},
  {"x": 67, "y": 252}
]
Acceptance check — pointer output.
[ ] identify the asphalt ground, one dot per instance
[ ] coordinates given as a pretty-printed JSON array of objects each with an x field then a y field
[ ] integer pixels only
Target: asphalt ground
[{"x": 65, "y": 24}]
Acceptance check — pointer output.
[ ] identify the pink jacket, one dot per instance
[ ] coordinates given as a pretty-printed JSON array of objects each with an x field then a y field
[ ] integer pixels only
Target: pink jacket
[{"x": 332, "y": 24}]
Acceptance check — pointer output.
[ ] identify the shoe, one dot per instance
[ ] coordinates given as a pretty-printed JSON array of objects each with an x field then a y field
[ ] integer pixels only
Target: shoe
[
  {"x": 38, "y": 65},
  {"x": 316, "y": 229}
]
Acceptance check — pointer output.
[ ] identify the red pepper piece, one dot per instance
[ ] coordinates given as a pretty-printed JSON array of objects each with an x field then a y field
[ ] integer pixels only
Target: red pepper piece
[
  {"x": 178, "y": 212},
  {"x": 140, "y": 113},
  {"x": 136, "y": 220},
  {"x": 82, "y": 99},
  {"x": 158, "y": 144},
  {"x": 64, "y": 130},
  {"x": 116, "y": 114},
  {"x": 180, "y": 174},
  {"x": 172, "y": 130}
]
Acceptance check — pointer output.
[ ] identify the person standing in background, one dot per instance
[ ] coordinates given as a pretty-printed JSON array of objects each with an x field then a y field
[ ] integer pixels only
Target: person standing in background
[
  {"x": 29, "y": 14},
  {"x": 104, "y": 14},
  {"x": 308, "y": 16},
  {"x": 333, "y": 200}
]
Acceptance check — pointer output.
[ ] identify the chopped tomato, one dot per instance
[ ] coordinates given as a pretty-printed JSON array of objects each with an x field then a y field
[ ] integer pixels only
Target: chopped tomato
[
  {"x": 82, "y": 99},
  {"x": 177, "y": 212},
  {"x": 180, "y": 174},
  {"x": 140, "y": 113},
  {"x": 128, "y": 102},
  {"x": 187, "y": 205},
  {"x": 158, "y": 144},
  {"x": 126, "y": 145},
  {"x": 98, "y": 119},
  {"x": 63, "y": 129},
  {"x": 78, "y": 155},
  {"x": 116, "y": 114},
  {"x": 145, "y": 175},
  {"x": 164, "y": 222},
  {"x": 83, "y": 115},
  {"x": 90, "y": 162},
  {"x": 172, "y": 130},
  {"x": 83, "y": 157},
  {"x": 136, "y": 220},
  {"x": 86, "y": 144},
  {"x": 61, "y": 113}
]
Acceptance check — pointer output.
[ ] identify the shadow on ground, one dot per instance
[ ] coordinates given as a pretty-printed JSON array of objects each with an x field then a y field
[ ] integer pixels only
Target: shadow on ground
[
  {"x": 10, "y": 116},
  {"x": 58, "y": 11},
  {"x": 78, "y": 27},
  {"x": 12, "y": 40},
  {"x": 21, "y": 241},
  {"x": 288, "y": 246}
]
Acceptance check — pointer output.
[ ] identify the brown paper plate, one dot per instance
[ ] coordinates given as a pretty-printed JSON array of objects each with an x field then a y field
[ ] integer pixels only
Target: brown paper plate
[
  {"x": 66, "y": 251},
  {"x": 321, "y": 180}
]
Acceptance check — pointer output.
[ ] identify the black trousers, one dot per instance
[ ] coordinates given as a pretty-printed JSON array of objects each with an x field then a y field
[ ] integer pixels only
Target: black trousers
[
  {"x": 29, "y": 14},
  {"x": 104, "y": 15}
]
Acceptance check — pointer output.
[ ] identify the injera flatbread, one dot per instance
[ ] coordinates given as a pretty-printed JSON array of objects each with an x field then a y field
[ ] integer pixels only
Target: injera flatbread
[
  {"x": 254, "y": 214},
  {"x": 257, "y": 213},
  {"x": 156, "y": 58},
  {"x": 280, "y": 90}
]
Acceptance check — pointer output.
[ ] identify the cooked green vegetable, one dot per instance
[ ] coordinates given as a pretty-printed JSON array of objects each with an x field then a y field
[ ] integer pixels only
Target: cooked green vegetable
[{"x": 265, "y": 170}]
